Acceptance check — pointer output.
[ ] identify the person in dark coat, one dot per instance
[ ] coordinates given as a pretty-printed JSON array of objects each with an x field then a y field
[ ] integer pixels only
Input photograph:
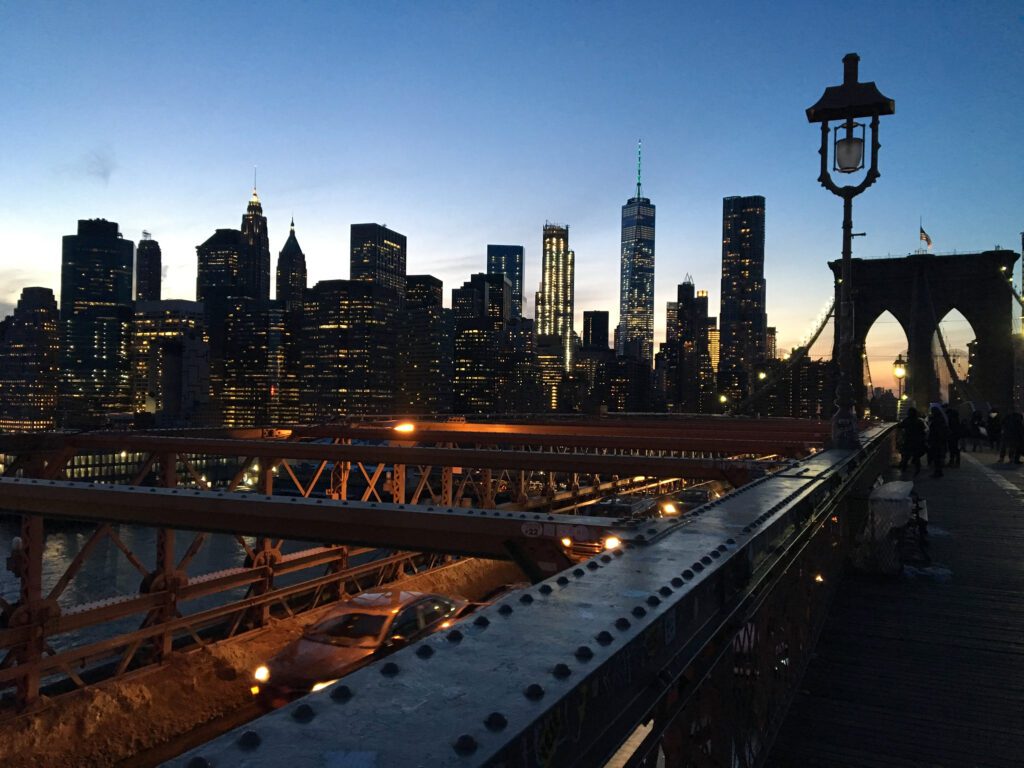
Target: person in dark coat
[
  {"x": 994, "y": 429},
  {"x": 977, "y": 433},
  {"x": 956, "y": 434},
  {"x": 913, "y": 440},
  {"x": 1011, "y": 438},
  {"x": 938, "y": 440}
]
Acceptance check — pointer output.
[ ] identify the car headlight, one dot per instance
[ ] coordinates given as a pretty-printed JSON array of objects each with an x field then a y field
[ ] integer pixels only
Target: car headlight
[
  {"x": 321, "y": 686},
  {"x": 262, "y": 674}
]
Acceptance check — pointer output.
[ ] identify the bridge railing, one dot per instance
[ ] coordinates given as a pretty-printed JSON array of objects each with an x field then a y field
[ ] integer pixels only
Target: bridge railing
[{"x": 689, "y": 642}]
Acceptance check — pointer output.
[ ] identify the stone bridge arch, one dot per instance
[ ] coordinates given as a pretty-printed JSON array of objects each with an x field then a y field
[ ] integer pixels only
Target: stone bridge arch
[{"x": 919, "y": 290}]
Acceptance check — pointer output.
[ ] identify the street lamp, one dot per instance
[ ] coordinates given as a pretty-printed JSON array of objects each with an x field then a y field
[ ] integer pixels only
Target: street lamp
[
  {"x": 899, "y": 370},
  {"x": 846, "y": 103}
]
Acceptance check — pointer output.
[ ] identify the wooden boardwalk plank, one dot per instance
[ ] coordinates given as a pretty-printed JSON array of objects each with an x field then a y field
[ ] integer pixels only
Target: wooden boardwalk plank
[{"x": 926, "y": 670}]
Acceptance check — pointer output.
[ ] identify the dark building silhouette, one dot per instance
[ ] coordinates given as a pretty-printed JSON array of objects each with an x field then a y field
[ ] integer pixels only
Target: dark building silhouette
[
  {"x": 171, "y": 364},
  {"x": 29, "y": 358},
  {"x": 519, "y": 389},
  {"x": 254, "y": 268},
  {"x": 424, "y": 375},
  {"x": 742, "y": 320},
  {"x": 291, "y": 289},
  {"x": 147, "y": 269},
  {"x": 95, "y": 314},
  {"x": 481, "y": 311},
  {"x": 689, "y": 379},
  {"x": 219, "y": 288},
  {"x": 378, "y": 256},
  {"x": 291, "y": 272},
  {"x": 349, "y": 354},
  {"x": 508, "y": 260},
  {"x": 595, "y": 329},
  {"x": 635, "y": 333},
  {"x": 594, "y": 362}
]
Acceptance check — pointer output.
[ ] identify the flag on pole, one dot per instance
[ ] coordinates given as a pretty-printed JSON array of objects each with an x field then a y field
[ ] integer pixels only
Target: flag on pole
[{"x": 924, "y": 237}]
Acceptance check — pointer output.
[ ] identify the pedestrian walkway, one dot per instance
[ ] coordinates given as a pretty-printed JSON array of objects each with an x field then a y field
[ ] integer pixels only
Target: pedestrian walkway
[{"x": 928, "y": 669}]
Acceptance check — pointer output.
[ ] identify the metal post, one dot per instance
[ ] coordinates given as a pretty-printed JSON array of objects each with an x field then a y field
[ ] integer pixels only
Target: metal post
[{"x": 844, "y": 421}]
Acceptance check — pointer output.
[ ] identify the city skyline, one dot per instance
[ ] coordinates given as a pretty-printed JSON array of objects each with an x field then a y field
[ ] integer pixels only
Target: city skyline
[{"x": 709, "y": 130}]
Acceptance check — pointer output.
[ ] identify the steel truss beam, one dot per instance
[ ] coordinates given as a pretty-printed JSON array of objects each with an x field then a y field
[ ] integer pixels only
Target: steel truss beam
[{"x": 563, "y": 673}]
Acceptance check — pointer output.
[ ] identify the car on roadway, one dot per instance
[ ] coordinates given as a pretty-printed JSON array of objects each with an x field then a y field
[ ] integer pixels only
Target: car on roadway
[{"x": 356, "y": 632}]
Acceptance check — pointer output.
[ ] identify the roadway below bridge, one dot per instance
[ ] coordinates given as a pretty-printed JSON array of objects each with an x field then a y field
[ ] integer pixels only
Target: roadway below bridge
[{"x": 148, "y": 717}]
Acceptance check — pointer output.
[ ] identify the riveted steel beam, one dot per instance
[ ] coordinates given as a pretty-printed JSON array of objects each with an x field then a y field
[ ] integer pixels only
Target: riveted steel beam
[{"x": 562, "y": 673}]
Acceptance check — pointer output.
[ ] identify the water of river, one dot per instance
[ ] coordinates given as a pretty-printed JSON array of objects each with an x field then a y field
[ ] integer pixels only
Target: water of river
[{"x": 107, "y": 572}]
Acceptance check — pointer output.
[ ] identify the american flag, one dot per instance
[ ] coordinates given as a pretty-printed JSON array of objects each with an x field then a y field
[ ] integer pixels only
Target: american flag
[{"x": 924, "y": 237}]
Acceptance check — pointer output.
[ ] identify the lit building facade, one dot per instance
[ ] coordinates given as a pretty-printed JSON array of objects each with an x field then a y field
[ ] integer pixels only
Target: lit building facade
[
  {"x": 635, "y": 336},
  {"x": 481, "y": 309},
  {"x": 349, "y": 351},
  {"x": 377, "y": 255},
  {"x": 742, "y": 320},
  {"x": 253, "y": 363},
  {"x": 555, "y": 299},
  {"x": 714, "y": 343},
  {"x": 29, "y": 363},
  {"x": 147, "y": 269},
  {"x": 507, "y": 260},
  {"x": 95, "y": 314},
  {"x": 170, "y": 363}
]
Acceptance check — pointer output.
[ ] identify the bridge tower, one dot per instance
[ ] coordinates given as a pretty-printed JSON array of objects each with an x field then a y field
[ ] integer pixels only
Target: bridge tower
[{"x": 919, "y": 290}]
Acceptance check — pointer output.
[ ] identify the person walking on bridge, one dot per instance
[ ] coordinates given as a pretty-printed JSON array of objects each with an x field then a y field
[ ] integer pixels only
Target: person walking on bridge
[
  {"x": 1012, "y": 437},
  {"x": 956, "y": 433},
  {"x": 913, "y": 440},
  {"x": 938, "y": 440}
]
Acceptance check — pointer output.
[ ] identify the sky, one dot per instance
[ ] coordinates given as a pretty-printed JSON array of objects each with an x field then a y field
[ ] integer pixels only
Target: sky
[{"x": 462, "y": 124}]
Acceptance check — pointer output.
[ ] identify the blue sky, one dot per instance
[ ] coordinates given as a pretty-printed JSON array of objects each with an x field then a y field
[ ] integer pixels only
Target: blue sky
[{"x": 460, "y": 124}]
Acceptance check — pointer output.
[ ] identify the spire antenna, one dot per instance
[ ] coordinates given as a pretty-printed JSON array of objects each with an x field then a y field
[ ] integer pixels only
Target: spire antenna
[
  {"x": 639, "y": 157},
  {"x": 254, "y": 178}
]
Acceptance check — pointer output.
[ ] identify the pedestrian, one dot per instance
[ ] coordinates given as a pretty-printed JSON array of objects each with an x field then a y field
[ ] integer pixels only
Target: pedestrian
[
  {"x": 994, "y": 427},
  {"x": 938, "y": 440},
  {"x": 913, "y": 447},
  {"x": 955, "y": 435},
  {"x": 977, "y": 430},
  {"x": 1011, "y": 436}
]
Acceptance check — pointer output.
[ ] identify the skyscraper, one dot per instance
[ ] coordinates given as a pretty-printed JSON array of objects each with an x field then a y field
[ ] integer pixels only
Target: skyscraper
[
  {"x": 636, "y": 278},
  {"x": 349, "y": 351},
  {"x": 254, "y": 269},
  {"x": 377, "y": 255},
  {"x": 595, "y": 330},
  {"x": 95, "y": 314},
  {"x": 147, "y": 269},
  {"x": 742, "y": 320},
  {"x": 555, "y": 299},
  {"x": 170, "y": 363},
  {"x": 508, "y": 260},
  {"x": 291, "y": 272},
  {"x": 424, "y": 377},
  {"x": 690, "y": 382},
  {"x": 481, "y": 311},
  {"x": 291, "y": 289},
  {"x": 218, "y": 286},
  {"x": 29, "y": 373}
]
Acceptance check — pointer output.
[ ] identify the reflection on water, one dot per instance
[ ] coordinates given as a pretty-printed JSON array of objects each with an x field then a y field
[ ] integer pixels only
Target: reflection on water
[{"x": 107, "y": 573}]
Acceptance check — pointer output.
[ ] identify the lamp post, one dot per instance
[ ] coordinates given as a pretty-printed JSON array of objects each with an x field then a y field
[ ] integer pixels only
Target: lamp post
[
  {"x": 899, "y": 370},
  {"x": 845, "y": 104}
]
